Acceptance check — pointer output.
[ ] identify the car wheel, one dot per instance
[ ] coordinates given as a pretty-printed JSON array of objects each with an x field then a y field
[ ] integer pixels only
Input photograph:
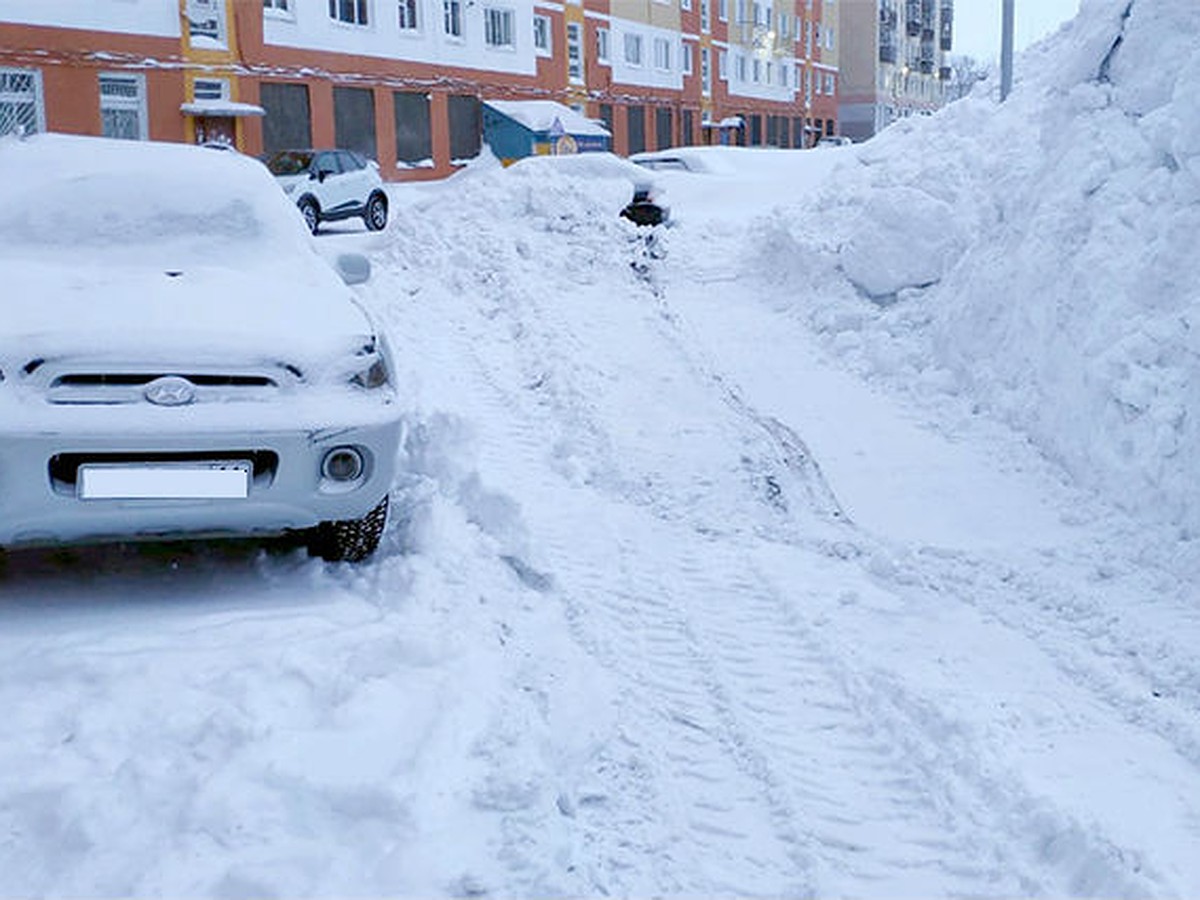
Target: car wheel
[
  {"x": 376, "y": 212},
  {"x": 350, "y": 540},
  {"x": 311, "y": 213}
]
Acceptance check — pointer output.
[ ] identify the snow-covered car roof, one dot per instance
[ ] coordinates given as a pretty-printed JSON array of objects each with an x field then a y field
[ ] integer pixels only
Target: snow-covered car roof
[{"x": 585, "y": 165}]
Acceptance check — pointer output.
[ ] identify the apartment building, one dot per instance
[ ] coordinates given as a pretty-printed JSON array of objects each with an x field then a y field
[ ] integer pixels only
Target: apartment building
[
  {"x": 894, "y": 62},
  {"x": 403, "y": 81}
]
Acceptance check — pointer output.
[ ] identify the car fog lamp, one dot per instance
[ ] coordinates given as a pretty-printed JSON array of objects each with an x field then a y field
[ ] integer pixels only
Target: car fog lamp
[{"x": 342, "y": 464}]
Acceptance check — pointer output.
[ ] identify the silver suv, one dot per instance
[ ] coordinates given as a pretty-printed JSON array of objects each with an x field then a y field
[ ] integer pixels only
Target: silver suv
[{"x": 330, "y": 185}]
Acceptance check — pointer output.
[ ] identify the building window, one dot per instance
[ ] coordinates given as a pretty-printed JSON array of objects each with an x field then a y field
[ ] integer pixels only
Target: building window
[
  {"x": 354, "y": 120},
  {"x": 723, "y": 10},
  {"x": 830, "y": 84},
  {"x": 452, "y": 17},
  {"x": 352, "y": 12},
  {"x": 706, "y": 71},
  {"x": 466, "y": 127},
  {"x": 210, "y": 89},
  {"x": 783, "y": 24},
  {"x": 602, "y": 45},
  {"x": 408, "y": 15},
  {"x": 414, "y": 136},
  {"x": 685, "y": 58},
  {"x": 686, "y": 5},
  {"x": 21, "y": 110},
  {"x": 498, "y": 27},
  {"x": 575, "y": 51},
  {"x": 278, "y": 8},
  {"x": 633, "y": 49},
  {"x": 206, "y": 23},
  {"x": 635, "y": 121},
  {"x": 757, "y": 70},
  {"x": 723, "y": 65},
  {"x": 741, "y": 67},
  {"x": 287, "y": 124},
  {"x": 662, "y": 54},
  {"x": 705, "y": 15},
  {"x": 123, "y": 106},
  {"x": 541, "y": 35}
]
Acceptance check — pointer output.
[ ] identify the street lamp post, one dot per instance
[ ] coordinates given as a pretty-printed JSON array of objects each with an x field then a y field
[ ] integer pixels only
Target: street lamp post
[{"x": 1006, "y": 50}]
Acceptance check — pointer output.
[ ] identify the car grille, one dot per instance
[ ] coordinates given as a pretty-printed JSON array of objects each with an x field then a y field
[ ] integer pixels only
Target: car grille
[{"x": 85, "y": 385}]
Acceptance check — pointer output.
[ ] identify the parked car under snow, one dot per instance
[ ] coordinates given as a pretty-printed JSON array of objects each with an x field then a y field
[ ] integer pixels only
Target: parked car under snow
[
  {"x": 647, "y": 205},
  {"x": 175, "y": 358}
]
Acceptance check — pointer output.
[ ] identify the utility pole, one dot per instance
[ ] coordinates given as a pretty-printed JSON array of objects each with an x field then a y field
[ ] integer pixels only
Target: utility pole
[{"x": 1006, "y": 50}]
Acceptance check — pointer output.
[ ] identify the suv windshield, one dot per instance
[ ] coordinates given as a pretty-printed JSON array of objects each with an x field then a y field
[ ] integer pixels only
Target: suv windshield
[{"x": 289, "y": 162}]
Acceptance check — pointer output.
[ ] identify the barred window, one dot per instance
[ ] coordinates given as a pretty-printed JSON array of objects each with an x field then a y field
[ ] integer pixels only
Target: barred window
[
  {"x": 21, "y": 110},
  {"x": 122, "y": 106}
]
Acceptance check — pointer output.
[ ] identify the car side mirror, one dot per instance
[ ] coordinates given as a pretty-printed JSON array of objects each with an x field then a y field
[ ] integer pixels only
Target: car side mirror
[{"x": 353, "y": 267}]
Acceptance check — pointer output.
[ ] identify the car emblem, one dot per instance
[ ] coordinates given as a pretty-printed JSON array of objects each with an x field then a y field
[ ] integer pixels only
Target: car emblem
[{"x": 170, "y": 390}]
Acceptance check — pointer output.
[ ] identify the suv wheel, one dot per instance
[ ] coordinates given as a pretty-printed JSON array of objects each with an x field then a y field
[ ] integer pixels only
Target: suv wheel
[
  {"x": 349, "y": 540},
  {"x": 311, "y": 212},
  {"x": 376, "y": 214}
]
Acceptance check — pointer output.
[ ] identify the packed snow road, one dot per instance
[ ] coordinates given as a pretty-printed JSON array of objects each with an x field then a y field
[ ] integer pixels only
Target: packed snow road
[{"x": 674, "y": 604}]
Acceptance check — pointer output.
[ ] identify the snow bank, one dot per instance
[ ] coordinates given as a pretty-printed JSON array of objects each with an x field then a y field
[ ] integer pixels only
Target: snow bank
[{"x": 1042, "y": 252}]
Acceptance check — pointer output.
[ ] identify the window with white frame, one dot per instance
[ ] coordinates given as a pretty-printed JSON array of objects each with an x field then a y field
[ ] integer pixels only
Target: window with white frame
[
  {"x": 706, "y": 71},
  {"x": 633, "y": 49},
  {"x": 685, "y": 58},
  {"x": 828, "y": 38},
  {"x": 278, "y": 8},
  {"x": 741, "y": 67},
  {"x": 662, "y": 54},
  {"x": 498, "y": 27},
  {"x": 541, "y": 35},
  {"x": 705, "y": 16},
  {"x": 685, "y": 5},
  {"x": 783, "y": 24},
  {"x": 757, "y": 70},
  {"x": 741, "y": 12},
  {"x": 770, "y": 72},
  {"x": 575, "y": 52},
  {"x": 452, "y": 22},
  {"x": 408, "y": 15},
  {"x": 350, "y": 12},
  {"x": 830, "y": 84},
  {"x": 206, "y": 22},
  {"x": 723, "y": 10},
  {"x": 602, "y": 45},
  {"x": 123, "y": 106},
  {"x": 21, "y": 109},
  {"x": 817, "y": 83},
  {"x": 723, "y": 65}
]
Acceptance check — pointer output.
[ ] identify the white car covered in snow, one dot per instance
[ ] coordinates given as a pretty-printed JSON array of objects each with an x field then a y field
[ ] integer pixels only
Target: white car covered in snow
[
  {"x": 175, "y": 358},
  {"x": 331, "y": 185}
]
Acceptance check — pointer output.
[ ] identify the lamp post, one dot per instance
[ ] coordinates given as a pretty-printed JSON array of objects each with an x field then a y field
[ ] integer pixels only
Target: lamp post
[{"x": 1006, "y": 50}]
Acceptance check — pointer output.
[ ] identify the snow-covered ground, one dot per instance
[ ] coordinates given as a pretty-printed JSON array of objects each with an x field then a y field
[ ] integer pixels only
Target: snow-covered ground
[{"x": 840, "y": 541}]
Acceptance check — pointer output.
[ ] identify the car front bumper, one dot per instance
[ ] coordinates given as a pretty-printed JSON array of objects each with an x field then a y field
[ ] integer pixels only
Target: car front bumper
[{"x": 40, "y": 501}]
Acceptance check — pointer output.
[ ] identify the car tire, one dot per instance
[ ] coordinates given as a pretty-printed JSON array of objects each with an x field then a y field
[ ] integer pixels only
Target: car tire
[
  {"x": 376, "y": 213},
  {"x": 349, "y": 540},
  {"x": 311, "y": 212}
]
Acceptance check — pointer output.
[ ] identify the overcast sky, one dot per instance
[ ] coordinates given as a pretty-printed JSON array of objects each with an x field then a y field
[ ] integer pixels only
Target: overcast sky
[{"x": 977, "y": 23}]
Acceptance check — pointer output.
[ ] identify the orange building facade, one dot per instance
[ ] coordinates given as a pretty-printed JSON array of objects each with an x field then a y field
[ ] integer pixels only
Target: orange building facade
[{"x": 402, "y": 80}]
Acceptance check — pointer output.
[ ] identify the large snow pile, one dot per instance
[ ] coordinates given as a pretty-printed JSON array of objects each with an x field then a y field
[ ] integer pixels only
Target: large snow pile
[{"x": 1037, "y": 257}]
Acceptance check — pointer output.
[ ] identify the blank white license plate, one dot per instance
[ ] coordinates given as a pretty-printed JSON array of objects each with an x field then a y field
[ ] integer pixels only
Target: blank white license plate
[{"x": 188, "y": 481}]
